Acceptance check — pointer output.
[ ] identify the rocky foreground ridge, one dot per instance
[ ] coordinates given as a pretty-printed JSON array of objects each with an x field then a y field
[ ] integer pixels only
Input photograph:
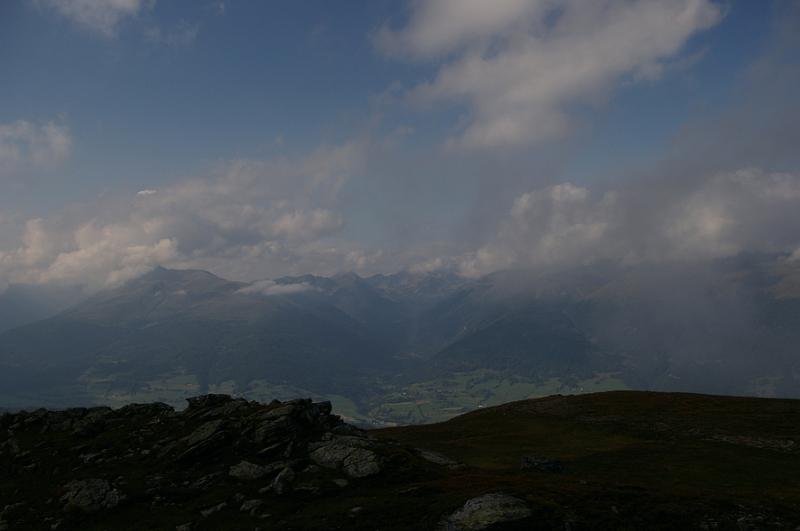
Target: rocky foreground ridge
[
  {"x": 618, "y": 460},
  {"x": 222, "y": 463}
]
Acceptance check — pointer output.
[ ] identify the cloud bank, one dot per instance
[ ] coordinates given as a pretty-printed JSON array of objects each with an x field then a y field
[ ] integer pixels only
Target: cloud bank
[
  {"x": 720, "y": 215},
  {"x": 254, "y": 217},
  {"x": 522, "y": 67}
]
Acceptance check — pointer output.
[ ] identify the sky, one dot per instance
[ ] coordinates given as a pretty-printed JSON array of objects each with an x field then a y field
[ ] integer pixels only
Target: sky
[{"x": 258, "y": 139}]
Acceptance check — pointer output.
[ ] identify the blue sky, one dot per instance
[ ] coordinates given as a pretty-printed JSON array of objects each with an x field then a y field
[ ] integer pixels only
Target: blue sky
[{"x": 323, "y": 136}]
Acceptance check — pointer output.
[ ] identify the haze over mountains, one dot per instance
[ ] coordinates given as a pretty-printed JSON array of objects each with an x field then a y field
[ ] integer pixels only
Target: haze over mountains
[{"x": 390, "y": 346}]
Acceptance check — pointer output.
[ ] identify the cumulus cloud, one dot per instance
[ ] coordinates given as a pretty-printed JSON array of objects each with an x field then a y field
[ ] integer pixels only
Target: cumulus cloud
[
  {"x": 721, "y": 215},
  {"x": 24, "y": 143},
  {"x": 520, "y": 66},
  {"x": 99, "y": 16},
  {"x": 269, "y": 288},
  {"x": 251, "y": 218}
]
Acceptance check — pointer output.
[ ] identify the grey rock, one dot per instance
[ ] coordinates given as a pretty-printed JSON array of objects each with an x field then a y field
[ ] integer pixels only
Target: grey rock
[
  {"x": 271, "y": 430},
  {"x": 205, "y": 432},
  {"x": 437, "y": 458},
  {"x": 350, "y": 454},
  {"x": 214, "y": 509},
  {"x": 206, "y": 402},
  {"x": 485, "y": 511},
  {"x": 284, "y": 410},
  {"x": 251, "y": 505},
  {"x": 361, "y": 463},
  {"x": 323, "y": 408},
  {"x": 248, "y": 471},
  {"x": 91, "y": 495},
  {"x": 92, "y": 422},
  {"x": 283, "y": 481}
]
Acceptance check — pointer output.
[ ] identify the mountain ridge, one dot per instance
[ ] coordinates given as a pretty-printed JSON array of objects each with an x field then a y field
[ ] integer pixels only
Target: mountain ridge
[{"x": 417, "y": 338}]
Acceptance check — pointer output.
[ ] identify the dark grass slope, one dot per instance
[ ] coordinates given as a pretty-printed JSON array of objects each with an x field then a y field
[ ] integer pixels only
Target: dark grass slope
[{"x": 632, "y": 459}]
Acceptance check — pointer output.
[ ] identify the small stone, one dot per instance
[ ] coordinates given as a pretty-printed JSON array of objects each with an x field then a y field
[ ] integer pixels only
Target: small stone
[
  {"x": 439, "y": 459},
  {"x": 213, "y": 510},
  {"x": 251, "y": 505}
]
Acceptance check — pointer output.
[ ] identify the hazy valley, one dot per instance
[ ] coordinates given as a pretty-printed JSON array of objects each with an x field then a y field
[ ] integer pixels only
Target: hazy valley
[{"x": 416, "y": 347}]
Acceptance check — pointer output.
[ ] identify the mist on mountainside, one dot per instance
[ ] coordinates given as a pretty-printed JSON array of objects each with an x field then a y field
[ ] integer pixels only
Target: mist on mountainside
[{"x": 379, "y": 342}]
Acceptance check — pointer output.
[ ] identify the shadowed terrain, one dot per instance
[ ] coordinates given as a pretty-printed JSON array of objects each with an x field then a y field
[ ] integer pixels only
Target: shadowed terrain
[{"x": 616, "y": 460}]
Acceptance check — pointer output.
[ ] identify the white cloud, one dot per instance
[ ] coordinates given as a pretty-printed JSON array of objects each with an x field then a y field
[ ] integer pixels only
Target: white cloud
[
  {"x": 99, "y": 16},
  {"x": 555, "y": 225},
  {"x": 439, "y": 27},
  {"x": 722, "y": 215},
  {"x": 269, "y": 288},
  {"x": 254, "y": 218},
  {"x": 304, "y": 225},
  {"x": 24, "y": 143},
  {"x": 519, "y": 66}
]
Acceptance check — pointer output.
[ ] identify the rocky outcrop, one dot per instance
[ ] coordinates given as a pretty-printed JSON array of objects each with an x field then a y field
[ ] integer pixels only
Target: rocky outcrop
[
  {"x": 90, "y": 495},
  {"x": 232, "y": 453},
  {"x": 486, "y": 511}
]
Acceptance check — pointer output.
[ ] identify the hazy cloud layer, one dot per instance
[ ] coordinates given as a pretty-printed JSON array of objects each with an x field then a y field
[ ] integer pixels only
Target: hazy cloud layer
[
  {"x": 721, "y": 215},
  {"x": 269, "y": 288},
  {"x": 24, "y": 144},
  {"x": 99, "y": 16},
  {"x": 521, "y": 66}
]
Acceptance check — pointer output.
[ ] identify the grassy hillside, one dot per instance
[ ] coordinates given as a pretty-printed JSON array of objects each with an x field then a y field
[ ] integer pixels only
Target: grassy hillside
[{"x": 632, "y": 459}]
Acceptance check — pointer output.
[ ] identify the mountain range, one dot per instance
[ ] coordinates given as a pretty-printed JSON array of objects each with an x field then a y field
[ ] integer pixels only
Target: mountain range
[{"x": 416, "y": 346}]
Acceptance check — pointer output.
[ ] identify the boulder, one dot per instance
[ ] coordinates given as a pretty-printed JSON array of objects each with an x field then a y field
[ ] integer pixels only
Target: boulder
[
  {"x": 283, "y": 481},
  {"x": 248, "y": 471},
  {"x": 90, "y": 495},
  {"x": 350, "y": 454},
  {"x": 205, "y": 432},
  {"x": 486, "y": 511}
]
